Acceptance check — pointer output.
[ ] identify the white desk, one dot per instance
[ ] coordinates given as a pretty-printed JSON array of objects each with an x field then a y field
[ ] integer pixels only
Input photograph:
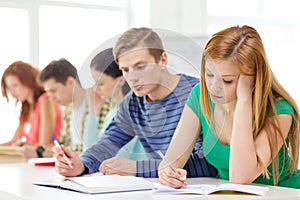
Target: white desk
[{"x": 16, "y": 183}]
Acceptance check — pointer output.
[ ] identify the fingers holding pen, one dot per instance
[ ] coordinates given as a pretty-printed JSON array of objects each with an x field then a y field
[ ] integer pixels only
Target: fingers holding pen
[
  {"x": 60, "y": 162},
  {"x": 63, "y": 166},
  {"x": 173, "y": 179}
]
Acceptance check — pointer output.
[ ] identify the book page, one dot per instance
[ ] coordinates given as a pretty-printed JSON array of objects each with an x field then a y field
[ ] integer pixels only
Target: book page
[
  {"x": 99, "y": 184},
  {"x": 208, "y": 189},
  {"x": 251, "y": 189},
  {"x": 107, "y": 180},
  {"x": 11, "y": 154},
  {"x": 11, "y": 158},
  {"x": 192, "y": 189},
  {"x": 10, "y": 150}
]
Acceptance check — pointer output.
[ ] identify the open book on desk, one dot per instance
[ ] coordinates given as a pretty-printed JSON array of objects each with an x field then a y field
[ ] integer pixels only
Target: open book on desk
[
  {"x": 99, "y": 184},
  {"x": 11, "y": 154},
  {"x": 209, "y": 189}
]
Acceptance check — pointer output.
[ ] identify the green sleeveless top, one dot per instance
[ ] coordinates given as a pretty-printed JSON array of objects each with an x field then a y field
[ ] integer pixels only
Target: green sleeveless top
[{"x": 218, "y": 154}]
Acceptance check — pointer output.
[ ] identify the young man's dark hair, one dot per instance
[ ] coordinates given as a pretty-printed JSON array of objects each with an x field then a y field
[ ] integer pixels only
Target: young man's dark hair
[{"x": 59, "y": 70}]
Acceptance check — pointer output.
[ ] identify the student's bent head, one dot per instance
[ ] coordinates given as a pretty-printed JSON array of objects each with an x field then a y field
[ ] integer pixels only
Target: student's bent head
[
  {"x": 59, "y": 78},
  {"x": 107, "y": 75},
  {"x": 18, "y": 78},
  {"x": 139, "y": 38},
  {"x": 59, "y": 70},
  {"x": 241, "y": 48},
  {"x": 140, "y": 55}
]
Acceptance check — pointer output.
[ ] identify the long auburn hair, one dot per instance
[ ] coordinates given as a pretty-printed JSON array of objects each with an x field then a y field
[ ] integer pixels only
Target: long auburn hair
[
  {"x": 27, "y": 74},
  {"x": 243, "y": 47}
]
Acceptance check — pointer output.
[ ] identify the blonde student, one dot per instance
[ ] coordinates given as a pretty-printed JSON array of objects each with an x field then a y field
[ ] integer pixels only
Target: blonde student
[{"x": 249, "y": 122}]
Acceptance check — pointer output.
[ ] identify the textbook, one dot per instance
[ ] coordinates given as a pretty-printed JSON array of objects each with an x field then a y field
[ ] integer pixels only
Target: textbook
[
  {"x": 10, "y": 150},
  {"x": 11, "y": 154},
  {"x": 50, "y": 161},
  {"x": 99, "y": 184},
  {"x": 206, "y": 189}
]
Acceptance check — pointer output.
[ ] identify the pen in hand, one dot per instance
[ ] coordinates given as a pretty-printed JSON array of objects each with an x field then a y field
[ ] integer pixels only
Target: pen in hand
[
  {"x": 164, "y": 158},
  {"x": 64, "y": 155},
  {"x": 182, "y": 178}
]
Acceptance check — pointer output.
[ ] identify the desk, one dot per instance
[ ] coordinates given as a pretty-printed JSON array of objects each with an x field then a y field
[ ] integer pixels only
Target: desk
[{"x": 16, "y": 184}]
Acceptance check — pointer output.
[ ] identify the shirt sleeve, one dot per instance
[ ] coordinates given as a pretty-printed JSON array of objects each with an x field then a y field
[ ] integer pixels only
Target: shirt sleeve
[
  {"x": 193, "y": 101},
  {"x": 147, "y": 168},
  {"x": 114, "y": 137},
  {"x": 196, "y": 166},
  {"x": 284, "y": 107},
  {"x": 91, "y": 135}
]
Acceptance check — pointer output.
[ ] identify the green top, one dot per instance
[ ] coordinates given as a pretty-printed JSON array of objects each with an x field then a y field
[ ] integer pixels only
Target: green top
[{"x": 218, "y": 154}]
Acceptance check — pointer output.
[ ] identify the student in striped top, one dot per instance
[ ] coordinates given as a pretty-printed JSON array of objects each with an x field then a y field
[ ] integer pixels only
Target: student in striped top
[{"x": 150, "y": 112}]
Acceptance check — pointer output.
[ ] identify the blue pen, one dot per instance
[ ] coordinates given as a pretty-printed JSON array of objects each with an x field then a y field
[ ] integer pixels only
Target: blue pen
[{"x": 64, "y": 155}]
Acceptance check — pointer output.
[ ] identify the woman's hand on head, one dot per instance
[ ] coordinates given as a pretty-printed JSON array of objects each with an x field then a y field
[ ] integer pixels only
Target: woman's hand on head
[
  {"x": 95, "y": 101},
  {"x": 245, "y": 87}
]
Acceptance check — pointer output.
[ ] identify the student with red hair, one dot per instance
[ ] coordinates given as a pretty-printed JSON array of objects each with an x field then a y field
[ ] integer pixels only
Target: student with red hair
[{"x": 40, "y": 118}]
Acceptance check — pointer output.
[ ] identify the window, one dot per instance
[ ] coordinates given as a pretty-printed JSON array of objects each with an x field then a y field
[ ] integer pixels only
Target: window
[
  {"x": 14, "y": 46},
  {"x": 73, "y": 33},
  {"x": 39, "y": 31}
]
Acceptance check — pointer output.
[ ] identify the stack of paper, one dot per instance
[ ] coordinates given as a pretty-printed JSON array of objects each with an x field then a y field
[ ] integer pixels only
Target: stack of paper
[{"x": 11, "y": 154}]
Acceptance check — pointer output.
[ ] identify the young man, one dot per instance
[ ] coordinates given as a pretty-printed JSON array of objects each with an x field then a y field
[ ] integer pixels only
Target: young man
[
  {"x": 151, "y": 112},
  {"x": 60, "y": 80}
]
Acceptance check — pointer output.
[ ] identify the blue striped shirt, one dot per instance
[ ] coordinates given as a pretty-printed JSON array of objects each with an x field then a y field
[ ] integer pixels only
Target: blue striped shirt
[{"x": 154, "y": 123}]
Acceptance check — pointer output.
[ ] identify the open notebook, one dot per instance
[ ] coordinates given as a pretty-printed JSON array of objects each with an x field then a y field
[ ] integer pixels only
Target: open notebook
[
  {"x": 99, "y": 184},
  {"x": 206, "y": 189}
]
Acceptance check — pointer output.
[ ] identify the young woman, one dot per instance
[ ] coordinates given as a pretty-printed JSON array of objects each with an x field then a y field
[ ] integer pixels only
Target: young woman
[
  {"x": 249, "y": 122},
  {"x": 39, "y": 117}
]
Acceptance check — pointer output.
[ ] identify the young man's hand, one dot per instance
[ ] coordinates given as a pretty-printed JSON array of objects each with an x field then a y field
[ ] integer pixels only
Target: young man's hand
[
  {"x": 61, "y": 165},
  {"x": 118, "y": 165}
]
